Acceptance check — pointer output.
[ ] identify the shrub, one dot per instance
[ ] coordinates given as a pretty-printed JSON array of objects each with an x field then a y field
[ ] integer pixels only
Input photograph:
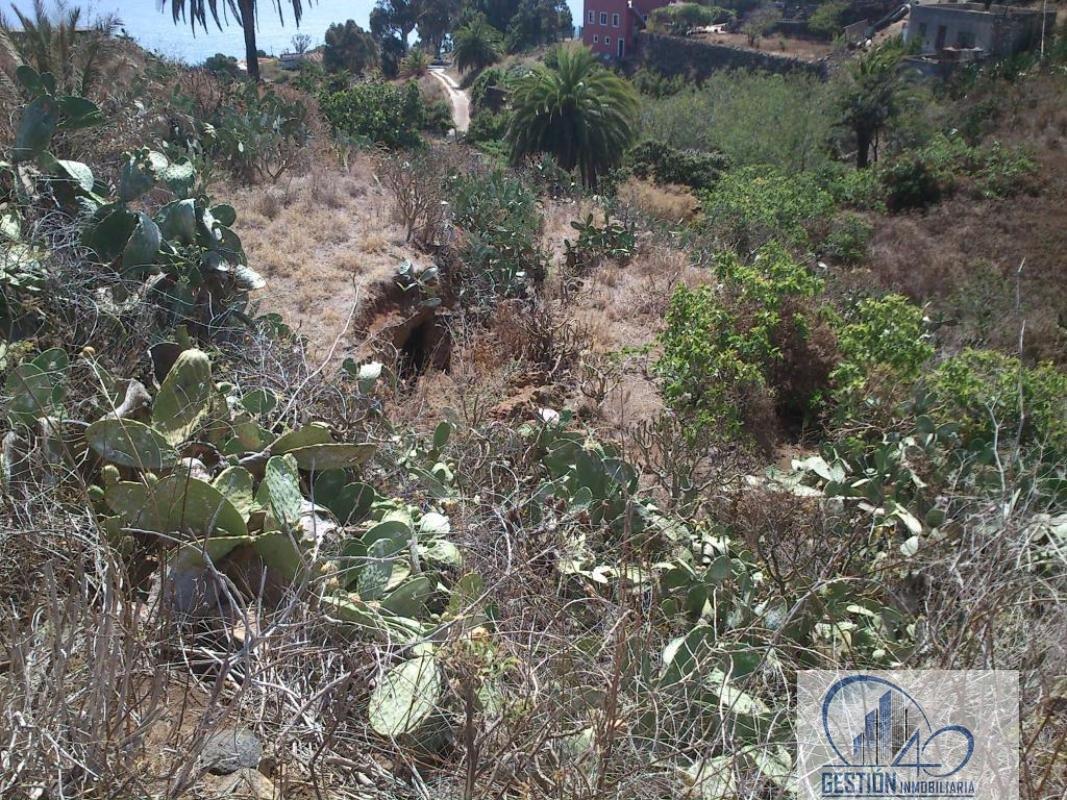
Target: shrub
[
  {"x": 913, "y": 181},
  {"x": 853, "y": 188},
  {"x": 923, "y": 177},
  {"x": 222, "y": 66},
  {"x": 666, "y": 164},
  {"x": 825, "y": 21},
  {"x": 500, "y": 225},
  {"x": 848, "y": 238},
  {"x": 681, "y": 18},
  {"x": 751, "y": 206},
  {"x": 596, "y": 243},
  {"x": 882, "y": 340},
  {"x": 377, "y": 112},
  {"x": 416, "y": 188},
  {"x": 655, "y": 84},
  {"x": 722, "y": 348},
  {"x": 482, "y": 94},
  {"x": 995, "y": 398},
  {"x": 438, "y": 117},
  {"x": 752, "y": 118},
  {"x": 254, "y": 132},
  {"x": 487, "y": 126}
]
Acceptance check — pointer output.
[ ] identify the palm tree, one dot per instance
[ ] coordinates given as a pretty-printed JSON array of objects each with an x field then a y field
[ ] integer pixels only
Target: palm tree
[
  {"x": 873, "y": 96},
  {"x": 576, "y": 110},
  {"x": 58, "y": 42},
  {"x": 476, "y": 45},
  {"x": 244, "y": 12}
]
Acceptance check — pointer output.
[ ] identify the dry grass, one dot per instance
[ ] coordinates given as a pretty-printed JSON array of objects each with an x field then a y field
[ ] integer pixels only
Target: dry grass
[
  {"x": 324, "y": 240},
  {"x": 665, "y": 203}
]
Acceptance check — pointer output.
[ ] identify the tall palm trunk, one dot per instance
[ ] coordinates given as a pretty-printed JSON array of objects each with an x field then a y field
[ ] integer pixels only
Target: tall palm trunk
[
  {"x": 864, "y": 140},
  {"x": 248, "y": 25}
]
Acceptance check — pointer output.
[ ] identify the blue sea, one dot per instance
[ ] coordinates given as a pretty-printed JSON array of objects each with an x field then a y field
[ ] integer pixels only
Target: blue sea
[{"x": 153, "y": 28}]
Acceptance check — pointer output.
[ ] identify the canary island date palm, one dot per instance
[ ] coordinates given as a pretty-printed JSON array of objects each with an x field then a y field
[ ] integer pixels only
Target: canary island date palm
[
  {"x": 198, "y": 12},
  {"x": 476, "y": 46},
  {"x": 59, "y": 39},
  {"x": 577, "y": 110}
]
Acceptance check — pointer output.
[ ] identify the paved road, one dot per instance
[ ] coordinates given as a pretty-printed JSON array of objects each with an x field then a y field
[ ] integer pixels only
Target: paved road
[{"x": 461, "y": 104}]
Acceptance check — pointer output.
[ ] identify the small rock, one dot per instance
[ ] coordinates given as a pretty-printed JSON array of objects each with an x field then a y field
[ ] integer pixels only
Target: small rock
[{"x": 230, "y": 750}]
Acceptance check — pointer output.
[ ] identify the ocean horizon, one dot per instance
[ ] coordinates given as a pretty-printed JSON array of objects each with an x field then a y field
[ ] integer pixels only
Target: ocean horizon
[{"x": 154, "y": 30}]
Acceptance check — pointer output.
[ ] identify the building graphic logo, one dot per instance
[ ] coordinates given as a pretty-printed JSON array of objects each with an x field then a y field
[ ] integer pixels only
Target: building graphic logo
[{"x": 909, "y": 734}]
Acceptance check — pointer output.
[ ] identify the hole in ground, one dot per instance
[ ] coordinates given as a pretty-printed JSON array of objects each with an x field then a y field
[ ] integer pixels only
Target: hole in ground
[{"x": 427, "y": 346}]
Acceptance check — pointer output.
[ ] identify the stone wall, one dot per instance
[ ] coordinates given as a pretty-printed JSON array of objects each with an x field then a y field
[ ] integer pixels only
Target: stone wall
[{"x": 675, "y": 55}]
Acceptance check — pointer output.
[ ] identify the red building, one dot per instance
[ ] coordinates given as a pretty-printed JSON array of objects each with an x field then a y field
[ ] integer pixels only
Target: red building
[{"x": 609, "y": 27}]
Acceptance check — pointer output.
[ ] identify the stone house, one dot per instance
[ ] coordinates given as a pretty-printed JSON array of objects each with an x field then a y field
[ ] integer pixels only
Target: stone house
[{"x": 993, "y": 30}]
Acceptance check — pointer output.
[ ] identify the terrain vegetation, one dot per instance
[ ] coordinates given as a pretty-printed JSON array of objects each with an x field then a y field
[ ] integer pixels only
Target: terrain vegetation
[{"x": 349, "y": 456}]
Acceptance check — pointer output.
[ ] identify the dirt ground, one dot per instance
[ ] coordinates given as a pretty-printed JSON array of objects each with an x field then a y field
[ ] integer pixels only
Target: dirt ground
[
  {"x": 329, "y": 248},
  {"x": 805, "y": 49}
]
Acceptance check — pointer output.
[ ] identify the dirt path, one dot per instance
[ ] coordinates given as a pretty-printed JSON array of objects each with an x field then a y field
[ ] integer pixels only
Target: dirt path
[{"x": 461, "y": 105}]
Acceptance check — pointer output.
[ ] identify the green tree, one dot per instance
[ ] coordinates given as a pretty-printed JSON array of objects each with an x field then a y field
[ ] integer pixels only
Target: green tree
[
  {"x": 476, "y": 46},
  {"x": 760, "y": 23},
  {"x": 197, "y": 12},
  {"x": 222, "y": 66},
  {"x": 581, "y": 113},
  {"x": 537, "y": 22},
  {"x": 497, "y": 13},
  {"x": 825, "y": 21},
  {"x": 349, "y": 47},
  {"x": 871, "y": 97},
  {"x": 398, "y": 16},
  {"x": 435, "y": 19}
]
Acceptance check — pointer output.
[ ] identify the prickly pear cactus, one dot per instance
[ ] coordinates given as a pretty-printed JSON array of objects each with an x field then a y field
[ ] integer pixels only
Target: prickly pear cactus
[
  {"x": 184, "y": 397},
  {"x": 176, "y": 503},
  {"x": 407, "y": 699},
  {"x": 130, "y": 444}
]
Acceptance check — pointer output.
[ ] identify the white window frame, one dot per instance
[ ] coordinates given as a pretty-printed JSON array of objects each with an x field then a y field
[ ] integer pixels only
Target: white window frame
[
  {"x": 592, "y": 17},
  {"x": 604, "y": 18},
  {"x": 607, "y": 40},
  {"x": 596, "y": 38},
  {"x": 614, "y": 20}
]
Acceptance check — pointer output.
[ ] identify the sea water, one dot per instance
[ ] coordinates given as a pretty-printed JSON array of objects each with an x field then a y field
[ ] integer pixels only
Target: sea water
[{"x": 154, "y": 29}]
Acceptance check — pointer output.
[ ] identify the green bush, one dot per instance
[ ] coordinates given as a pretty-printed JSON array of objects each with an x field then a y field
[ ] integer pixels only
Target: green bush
[
  {"x": 438, "y": 117},
  {"x": 680, "y": 18},
  {"x": 848, "y": 238},
  {"x": 666, "y": 164},
  {"x": 753, "y": 118},
  {"x": 655, "y": 84},
  {"x": 482, "y": 89},
  {"x": 379, "y": 113},
  {"x": 750, "y": 206},
  {"x": 722, "y": 348},
  {"x": 994, "y": 397},
  {"x": 222, "y": 66},
  {"x": 913, "y": 181},
  {"x": 923, "y": 177},
  {"x": 255, "y": 133},
  {"x": 500, "y": 224},
  {"x": 488, "y": 126},
  {"x": 825, "y": 21},
  {"x": 880, "y": 340},
  {"x": 860, "y": 189}
]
